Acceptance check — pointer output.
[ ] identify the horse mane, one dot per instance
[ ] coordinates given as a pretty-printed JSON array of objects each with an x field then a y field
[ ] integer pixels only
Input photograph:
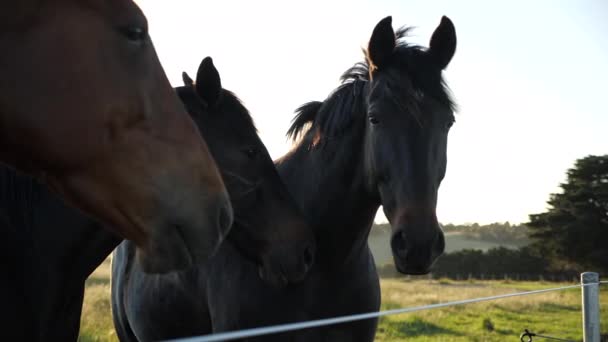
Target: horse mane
[
  {"x": 231, "y": 100},
  {"x": 337, "y": 112},
  {"x": 332, "y": 116},
  {"x": 305, "y": 114},
  {"x": 228, "y": 101}
]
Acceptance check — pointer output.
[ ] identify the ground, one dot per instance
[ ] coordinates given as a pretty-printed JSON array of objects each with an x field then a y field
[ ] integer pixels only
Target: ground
[{"x": 555, "y": 314}]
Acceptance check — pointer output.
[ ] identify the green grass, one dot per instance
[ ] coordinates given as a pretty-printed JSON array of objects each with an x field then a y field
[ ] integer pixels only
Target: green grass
[
  {"x": 555, "y": 313},
  {"x": 96, "y": 322}
]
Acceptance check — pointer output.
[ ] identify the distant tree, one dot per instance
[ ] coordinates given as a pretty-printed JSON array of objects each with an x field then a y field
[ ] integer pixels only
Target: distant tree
[{"x": 575, "y": 228}]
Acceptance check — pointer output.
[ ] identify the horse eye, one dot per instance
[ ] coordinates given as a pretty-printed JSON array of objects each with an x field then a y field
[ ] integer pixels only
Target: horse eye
[
  {"x": 134, "y": 33},
  {"x": 251, "y": 153},
  {"x": 373, "y": 120}
]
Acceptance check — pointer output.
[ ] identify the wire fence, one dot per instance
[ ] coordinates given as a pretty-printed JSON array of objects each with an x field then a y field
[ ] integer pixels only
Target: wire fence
[{"x": 227, "y": 336}]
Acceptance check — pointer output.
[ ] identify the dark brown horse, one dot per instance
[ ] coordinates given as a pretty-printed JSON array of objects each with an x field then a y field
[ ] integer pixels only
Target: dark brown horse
[
  {"x": 45, "y": 269},
  {"x": 378, "y": 139},
  {"x": 48, "y": 251},
  {"x": 269, "y": 235},
  {"x": 86, "y": 107}
]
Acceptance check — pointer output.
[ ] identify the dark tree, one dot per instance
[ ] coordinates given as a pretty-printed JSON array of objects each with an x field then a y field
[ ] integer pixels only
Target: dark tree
[{"x": 575, "y": 228}]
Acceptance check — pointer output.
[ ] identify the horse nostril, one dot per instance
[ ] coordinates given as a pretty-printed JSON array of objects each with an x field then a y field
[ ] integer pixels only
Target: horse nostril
[
  {"x": 309, "y": 256},
  {"x": 224, "y": 219},
  {"x": 439, "y": 246},
  {"x": 398, "y": 245}
]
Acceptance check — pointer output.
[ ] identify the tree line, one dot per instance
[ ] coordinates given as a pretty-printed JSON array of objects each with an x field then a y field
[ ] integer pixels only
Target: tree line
[{"x": 506, "y": 232}]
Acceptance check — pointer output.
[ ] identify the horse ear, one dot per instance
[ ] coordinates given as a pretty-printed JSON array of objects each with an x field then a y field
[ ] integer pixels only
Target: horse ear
[
  {"x": 208, "y": 83},
  {"x": 188, "y": 82},
  {"x": 443, "y": 43},
  {"x": 382, "y": 43}
]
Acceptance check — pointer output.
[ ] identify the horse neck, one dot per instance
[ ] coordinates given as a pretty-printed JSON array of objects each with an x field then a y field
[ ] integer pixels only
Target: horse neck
[
  {"x": 332, "y": 194},
  {"x": 77, "y": 243},
  {"x": 50, "y": 249},
  {"x": 50, "y": 234},
  {"x": 18, "y": 195},
  {"x": 67, "y": 247}
]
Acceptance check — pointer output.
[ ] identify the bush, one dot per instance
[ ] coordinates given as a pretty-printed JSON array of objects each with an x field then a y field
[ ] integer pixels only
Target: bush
[
  {"x": 496, "y": 263},
  {"x": 487, "y": 324}
]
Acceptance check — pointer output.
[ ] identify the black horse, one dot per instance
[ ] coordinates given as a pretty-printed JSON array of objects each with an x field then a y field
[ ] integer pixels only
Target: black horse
[
  {"x": 378, "y": 139},
  {"x": 266, "y": 229},
  {"x": 46, "y": 268}
]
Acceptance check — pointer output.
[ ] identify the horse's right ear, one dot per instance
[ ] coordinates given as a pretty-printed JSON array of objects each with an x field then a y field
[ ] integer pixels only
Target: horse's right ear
[
  {"x": 382, "y": 43},
  {"x": 443, "y": 43},
  {"x": 188, "y": 82},
  {"x": 208, "y": 83}
]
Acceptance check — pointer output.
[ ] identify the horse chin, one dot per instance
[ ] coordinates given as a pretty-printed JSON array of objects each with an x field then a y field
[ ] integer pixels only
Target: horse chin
[
  {"x": 151, "y": 263},
  {"x": 272, "y": 278},
  {"x": 172, "y": 251},
  {"x": 408, "y": 270}
]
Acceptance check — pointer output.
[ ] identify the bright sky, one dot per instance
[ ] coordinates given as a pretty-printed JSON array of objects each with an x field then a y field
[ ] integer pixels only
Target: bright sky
[{"x": 529, "y": 78}]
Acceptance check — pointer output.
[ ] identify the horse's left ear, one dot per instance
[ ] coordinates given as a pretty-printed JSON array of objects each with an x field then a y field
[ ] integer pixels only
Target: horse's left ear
[
  {"x": 188, "y": 82},
  {"x": 382, "y": 43},
  {"x": 443, "y": 43},
  {"x": 208, "y": 83}
]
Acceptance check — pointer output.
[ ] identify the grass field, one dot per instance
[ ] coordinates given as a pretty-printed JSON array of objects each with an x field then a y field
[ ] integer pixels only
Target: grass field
[
  {"x": 96, "y": 323},
  {"x": 556, "y": 313}
]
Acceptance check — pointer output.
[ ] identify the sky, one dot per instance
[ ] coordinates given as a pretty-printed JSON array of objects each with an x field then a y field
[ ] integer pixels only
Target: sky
[{"x": 529, "y": 78}]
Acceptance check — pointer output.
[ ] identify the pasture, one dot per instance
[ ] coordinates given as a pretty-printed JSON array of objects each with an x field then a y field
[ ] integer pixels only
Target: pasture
[{"x": 556, "y": 314}]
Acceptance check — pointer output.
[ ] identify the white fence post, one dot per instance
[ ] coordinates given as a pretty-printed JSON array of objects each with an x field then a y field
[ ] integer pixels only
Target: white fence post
[{"x": 591, "y": 306}]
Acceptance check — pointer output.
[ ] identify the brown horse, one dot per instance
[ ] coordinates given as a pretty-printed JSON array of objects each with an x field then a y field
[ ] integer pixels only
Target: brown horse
[{"x": 86, "y": 106}]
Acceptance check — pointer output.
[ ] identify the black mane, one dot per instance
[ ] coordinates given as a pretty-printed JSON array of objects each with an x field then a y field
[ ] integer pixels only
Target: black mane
[
  {"x": 333, "y": 116},
  {"x": 228, "y": 103}
]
